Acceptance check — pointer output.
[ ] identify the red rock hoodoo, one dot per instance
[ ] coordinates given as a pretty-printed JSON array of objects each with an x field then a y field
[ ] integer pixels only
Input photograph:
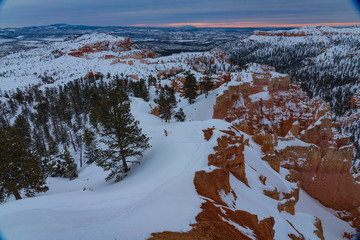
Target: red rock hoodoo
[{"x": 278, "y": 115}]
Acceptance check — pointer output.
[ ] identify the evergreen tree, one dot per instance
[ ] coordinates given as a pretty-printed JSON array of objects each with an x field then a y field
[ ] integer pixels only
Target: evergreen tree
[
  {"x": 140, "y": 89},
  {"x": 190, "y": 87},
  {"x": 63, "y": 166},
  {"x": 52, "y": 146},
  {"x": 19, "y": 169},
  {"x": 180, "y": 115},
  {"x": 151, "y": 81},
  {"x": 22, "y": 129},
  {"x": 206, "y": 85},
  {"x": 38, "y": 145},
  {"x": 120, "y": 132},
  {"x": 167, "y": 103},
  {"x": 91, "y": 151},
  {"x": 5, "y": 114}
]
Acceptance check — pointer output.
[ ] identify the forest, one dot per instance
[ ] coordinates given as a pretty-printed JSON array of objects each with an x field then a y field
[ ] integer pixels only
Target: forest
[{"x": 88, "y": 119}]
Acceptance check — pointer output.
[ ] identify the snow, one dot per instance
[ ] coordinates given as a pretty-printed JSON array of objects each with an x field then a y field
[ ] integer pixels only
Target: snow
[
  {"x": 159, "y": 194},
  {"x": 245, "y": 230},
  {"x": 97, "y": 37},
  {"x": 289, "y": 40},
  {"x": 278, "y": 75},
  {"x": 261, "y": 95},
  {"x": 246, "y": 77},
  {"x": 24, "y": 68},
  {"x": 333, "y": 226},
  {"x": 282, "y": 144},
  {"x": 251, "y": 200},
  {"x": 144, "y": 202},
  {"x": 4, "y": 40}
]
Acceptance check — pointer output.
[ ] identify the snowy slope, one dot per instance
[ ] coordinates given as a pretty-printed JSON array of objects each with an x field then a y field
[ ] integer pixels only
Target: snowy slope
[
  {"x": 157, "y": 195},
  {"x": 27, "y": 67}
]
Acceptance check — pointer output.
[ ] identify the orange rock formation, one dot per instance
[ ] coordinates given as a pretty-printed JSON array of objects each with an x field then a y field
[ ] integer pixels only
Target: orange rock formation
[
  {"x": 272, "y": 109},
  {"x": 217, "y": 221}
]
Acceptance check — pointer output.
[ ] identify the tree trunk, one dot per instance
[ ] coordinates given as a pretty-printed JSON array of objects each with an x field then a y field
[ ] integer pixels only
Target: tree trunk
[
  {"x": 16, "y": 194},
  {"x": 81, "y": 153},
  {"x": 72, "y": 140},
  {"x": 126, "y": 169}
]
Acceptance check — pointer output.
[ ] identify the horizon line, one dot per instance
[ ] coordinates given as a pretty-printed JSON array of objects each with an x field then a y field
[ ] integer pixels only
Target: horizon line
[
  {"x": 211, "y": 25},
  {"x": 245, "y": 25}
]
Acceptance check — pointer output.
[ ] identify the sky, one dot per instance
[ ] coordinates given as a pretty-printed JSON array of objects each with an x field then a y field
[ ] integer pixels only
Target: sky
[{"x": 200, "y": 13}]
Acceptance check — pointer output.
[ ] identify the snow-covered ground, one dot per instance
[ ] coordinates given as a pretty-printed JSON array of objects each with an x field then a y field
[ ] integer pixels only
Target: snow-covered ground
[{"x": 159, "y": 194}]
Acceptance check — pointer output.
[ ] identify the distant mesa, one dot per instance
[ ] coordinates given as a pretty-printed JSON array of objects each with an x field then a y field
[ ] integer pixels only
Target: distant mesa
[{"x": 188, "y": 27}]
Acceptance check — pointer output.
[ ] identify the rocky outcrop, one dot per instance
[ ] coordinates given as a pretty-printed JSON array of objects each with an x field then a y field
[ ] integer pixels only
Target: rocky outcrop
[
  {"x": 281, "y": 34},
  {"x": 216, "y": 222},
  {"x": 327, "y": 179},
  {"x": 297, "y": 134},
  {"x": 210, "y": 184},
  {"x": 228, "y": 158},
  {"x": 100, "y": 46},
  {"x": 273, "y": 193},
  {"x": 89, "y": 75},
  {"x": 271, "y": 103},
  {"x": 320, "y": 133},
  {"x": 273, "y": 161},
  {"x": 355, "y": 100},
  {"x": 287, "y": 205},
  {"x": 294, "y": 133},
  {"x": 289, "y": 200},
  {"x": 140, "y": 54},
  {"x": 208, "y": 133},
  {"x": 229, "y": 155},
  {"x": 319, "y": 229}
]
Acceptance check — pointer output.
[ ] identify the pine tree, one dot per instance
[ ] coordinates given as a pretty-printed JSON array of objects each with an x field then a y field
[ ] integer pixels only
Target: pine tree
[
  {"x": 91, "y": 150},
  {"x": 151, "y": 81},
  {"x": 167, "y": 103},
  {"x": 120, "y": 133},
  {"x": 22, "y": 129},
  {"x": 69, "y": 166},
  {"x": 63, "y": 166},
  {"x": 206, "y": 85},
  {"x": 180, "y": 115},
  {"x": 190, "y": 87},
  {"x": 140, "y": 89},
  {"x": 19, "y": 169}
]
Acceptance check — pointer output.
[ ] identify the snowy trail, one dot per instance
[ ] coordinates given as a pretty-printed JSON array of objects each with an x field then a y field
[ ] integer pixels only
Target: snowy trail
[{"x": 157, "y": 195}]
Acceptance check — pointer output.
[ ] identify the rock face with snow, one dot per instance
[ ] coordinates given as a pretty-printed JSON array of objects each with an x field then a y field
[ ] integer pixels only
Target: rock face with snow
[
  {"x": 324, "y": 59},
  {"x": 294, "y": 133},
  {"x": 219, "y": 218}
]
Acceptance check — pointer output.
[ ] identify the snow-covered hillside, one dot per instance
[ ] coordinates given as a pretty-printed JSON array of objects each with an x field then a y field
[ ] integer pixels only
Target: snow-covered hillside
[
  {"x": 325, "y": 60},
  {"x": 167, "y": 193},
  {"x": 99, "y": 53}
]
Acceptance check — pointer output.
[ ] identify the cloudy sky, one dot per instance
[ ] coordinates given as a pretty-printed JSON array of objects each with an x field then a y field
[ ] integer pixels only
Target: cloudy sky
[{"x": 17, "y": 13}]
